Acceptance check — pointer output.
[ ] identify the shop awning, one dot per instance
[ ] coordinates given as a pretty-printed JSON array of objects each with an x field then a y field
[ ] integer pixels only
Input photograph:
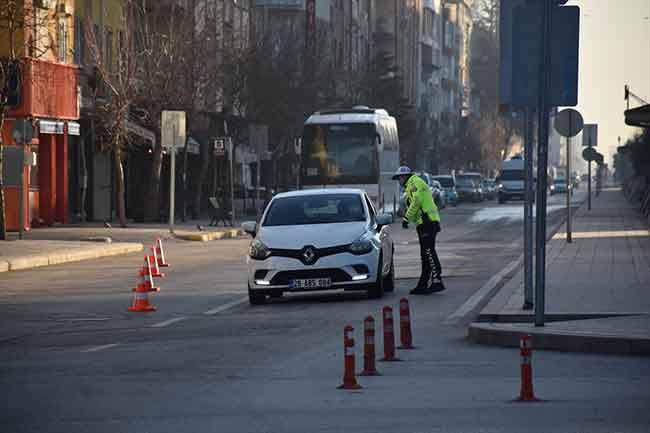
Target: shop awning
[
  {"x": 50, "y": 126},
  {"x": 73, "y": 128},
  {"x": 144, "y": 133}
]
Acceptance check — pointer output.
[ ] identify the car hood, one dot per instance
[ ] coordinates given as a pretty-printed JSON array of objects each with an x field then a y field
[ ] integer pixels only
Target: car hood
[{"x": 317, "y": 235}]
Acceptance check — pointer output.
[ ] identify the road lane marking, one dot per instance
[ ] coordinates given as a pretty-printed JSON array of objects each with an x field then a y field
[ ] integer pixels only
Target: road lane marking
[
  {"x": 98, "y": 348},
  {"x": 168, "y": 322},
  {"x": 225, "y": 307}
]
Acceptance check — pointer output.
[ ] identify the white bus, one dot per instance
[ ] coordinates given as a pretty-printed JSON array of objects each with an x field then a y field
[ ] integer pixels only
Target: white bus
[{"x": 357, "y": 147}]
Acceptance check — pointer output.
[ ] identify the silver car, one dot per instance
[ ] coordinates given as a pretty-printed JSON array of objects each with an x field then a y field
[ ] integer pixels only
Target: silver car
[{"x": 317, "y": 240}]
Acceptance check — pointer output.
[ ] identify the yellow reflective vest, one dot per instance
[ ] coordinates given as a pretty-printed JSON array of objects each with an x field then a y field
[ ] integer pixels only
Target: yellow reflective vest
[{"x": 419, "y": 200}]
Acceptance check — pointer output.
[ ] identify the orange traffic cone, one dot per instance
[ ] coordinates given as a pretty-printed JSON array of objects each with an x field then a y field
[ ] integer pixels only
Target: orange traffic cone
[
  {"x": 158, "y": 248},
  {"x": 155, "y": 271},
  {"x": 141, "y": 300},
  {"x": 147, "y": 276}
]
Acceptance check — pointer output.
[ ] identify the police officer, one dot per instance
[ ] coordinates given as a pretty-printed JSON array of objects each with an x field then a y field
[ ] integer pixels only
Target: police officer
[{"x": 421, "y": 210}]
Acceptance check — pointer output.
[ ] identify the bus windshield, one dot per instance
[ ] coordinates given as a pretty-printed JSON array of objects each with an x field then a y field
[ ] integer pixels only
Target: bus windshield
[{"x": 339, "y": 153}]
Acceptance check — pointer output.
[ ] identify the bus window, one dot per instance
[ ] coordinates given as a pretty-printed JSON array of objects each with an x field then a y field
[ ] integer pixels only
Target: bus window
[{"x": 335, "y": 153}]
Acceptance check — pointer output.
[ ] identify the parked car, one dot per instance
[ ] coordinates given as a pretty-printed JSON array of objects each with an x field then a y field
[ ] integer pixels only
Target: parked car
[
  {"x": 448, "y": 183},
  {"x": 468, "y": 188},
  {"x": 315, "y": 240}
]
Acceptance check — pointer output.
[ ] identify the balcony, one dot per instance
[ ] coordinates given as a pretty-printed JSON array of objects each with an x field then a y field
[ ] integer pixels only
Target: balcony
[{"x": 48, "y": 90}]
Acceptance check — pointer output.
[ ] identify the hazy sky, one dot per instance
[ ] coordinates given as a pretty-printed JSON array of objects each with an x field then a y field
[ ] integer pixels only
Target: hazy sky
[{"x": 614, "y": 51}]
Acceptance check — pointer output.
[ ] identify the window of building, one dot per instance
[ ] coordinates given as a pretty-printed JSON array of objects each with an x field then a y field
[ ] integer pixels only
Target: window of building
[
  {"x": 79, "y": 41},
  {"x": 62, "y": 39}
]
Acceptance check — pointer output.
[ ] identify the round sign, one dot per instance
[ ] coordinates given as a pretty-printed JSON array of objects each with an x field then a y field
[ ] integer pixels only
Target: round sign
[
  {"x": 589, "y": 154},
  {"x": 568, "y": 123}
]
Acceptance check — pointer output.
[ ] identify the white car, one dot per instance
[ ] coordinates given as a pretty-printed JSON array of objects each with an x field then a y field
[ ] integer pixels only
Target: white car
[{"x": 325, "y": 239}]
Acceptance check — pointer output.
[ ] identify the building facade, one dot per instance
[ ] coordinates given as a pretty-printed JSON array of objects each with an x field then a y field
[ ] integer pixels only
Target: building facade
[{"x": 36, "y": 171}]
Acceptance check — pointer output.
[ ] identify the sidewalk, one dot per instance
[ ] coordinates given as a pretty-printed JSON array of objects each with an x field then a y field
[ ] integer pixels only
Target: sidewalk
[
  {"x": 27, "y": 254},
  {"x": 63, "y": 244},
  {"x": 597, "y": 288}
]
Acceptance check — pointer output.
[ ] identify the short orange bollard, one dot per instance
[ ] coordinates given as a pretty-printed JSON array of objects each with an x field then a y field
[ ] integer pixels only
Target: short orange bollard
[
  {"x": 526, "y": 393},
  {"x": 369, "y": 368},
  {"x": 406, "y": 336},
  {"x": 389, "y": 335},
  {"x": 349, "y": 378}
]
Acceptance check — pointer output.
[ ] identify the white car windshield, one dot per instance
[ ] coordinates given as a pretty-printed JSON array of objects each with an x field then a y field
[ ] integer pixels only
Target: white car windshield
[{"x": 315, "y": 209}]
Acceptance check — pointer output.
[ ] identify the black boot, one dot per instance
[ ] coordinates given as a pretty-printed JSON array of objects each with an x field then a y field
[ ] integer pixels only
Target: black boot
[
  {"x": 436, "y": 285},
  {"x": 421, "y": 288}
]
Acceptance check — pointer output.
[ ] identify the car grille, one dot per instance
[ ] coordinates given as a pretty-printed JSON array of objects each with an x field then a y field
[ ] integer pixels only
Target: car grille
[
  {"x": 320, "y": 253},
  {"x": 337, "y": 275}
]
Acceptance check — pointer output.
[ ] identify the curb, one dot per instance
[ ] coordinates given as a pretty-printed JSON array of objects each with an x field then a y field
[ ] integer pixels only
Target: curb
[
  {"x": 484, "y": 295},
  {"x": 509, "y": 335},
  {"x": 210, "y": 236},
  {"x": 30, "y": 262}
]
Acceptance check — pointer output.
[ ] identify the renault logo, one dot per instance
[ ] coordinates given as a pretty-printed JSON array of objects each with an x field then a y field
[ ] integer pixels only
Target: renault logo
[{"x": 309, "y": 255}]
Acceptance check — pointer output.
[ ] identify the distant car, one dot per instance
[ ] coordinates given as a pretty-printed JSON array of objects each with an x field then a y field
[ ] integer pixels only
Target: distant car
[
  {"x": 575, "y": 180},
  {"x": 448, "y": 183},
  {"x": 489, "y": 188},
  {"x": 559, "y": 186},
  {"x": 317, "y": 240},
  {"x": 439, "y": 194},
  {"x": 468, "y": 188}
]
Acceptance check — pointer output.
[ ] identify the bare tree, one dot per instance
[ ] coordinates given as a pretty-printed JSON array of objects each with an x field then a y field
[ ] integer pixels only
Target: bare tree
[
  {"x": 497, "y": 131},
  {"x": 165, "y": 73},
  {"x": 25, "y": 30},
  {"x": 115, "y": 90}
]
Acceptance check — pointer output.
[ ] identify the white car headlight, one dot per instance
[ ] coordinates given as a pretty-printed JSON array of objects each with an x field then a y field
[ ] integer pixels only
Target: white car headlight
[
  {"x": 259, "y": 251},
  {"x": 361, "y": 246}
]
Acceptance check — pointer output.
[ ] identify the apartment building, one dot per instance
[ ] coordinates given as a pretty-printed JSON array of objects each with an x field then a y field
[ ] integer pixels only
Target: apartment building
[{"x": 36, "y": 170}]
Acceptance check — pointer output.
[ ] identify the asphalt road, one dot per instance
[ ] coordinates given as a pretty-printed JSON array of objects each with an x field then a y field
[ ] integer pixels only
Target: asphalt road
[{"x": 73, "y": 360}]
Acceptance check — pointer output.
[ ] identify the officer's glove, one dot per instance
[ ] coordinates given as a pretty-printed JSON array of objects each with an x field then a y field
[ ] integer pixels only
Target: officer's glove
[{"x": 405, "y": 224}]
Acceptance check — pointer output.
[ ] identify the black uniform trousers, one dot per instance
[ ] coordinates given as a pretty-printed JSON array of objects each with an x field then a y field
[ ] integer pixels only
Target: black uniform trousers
[{"x": 427, "y": 232}]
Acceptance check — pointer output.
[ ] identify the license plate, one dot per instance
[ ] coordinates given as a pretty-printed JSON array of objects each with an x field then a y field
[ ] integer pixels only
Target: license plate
[{"x": 311, "y": 283}]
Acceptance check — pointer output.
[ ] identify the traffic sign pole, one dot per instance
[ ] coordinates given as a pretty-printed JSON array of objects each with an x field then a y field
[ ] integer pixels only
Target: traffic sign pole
[
  {"x": 568, "y": 190},
  {"x": 528, "y": 211},
  {"x": 589, "y": 185},
  {"x": 232, "y": 184},
  {"x": 172, "y": 182}
]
